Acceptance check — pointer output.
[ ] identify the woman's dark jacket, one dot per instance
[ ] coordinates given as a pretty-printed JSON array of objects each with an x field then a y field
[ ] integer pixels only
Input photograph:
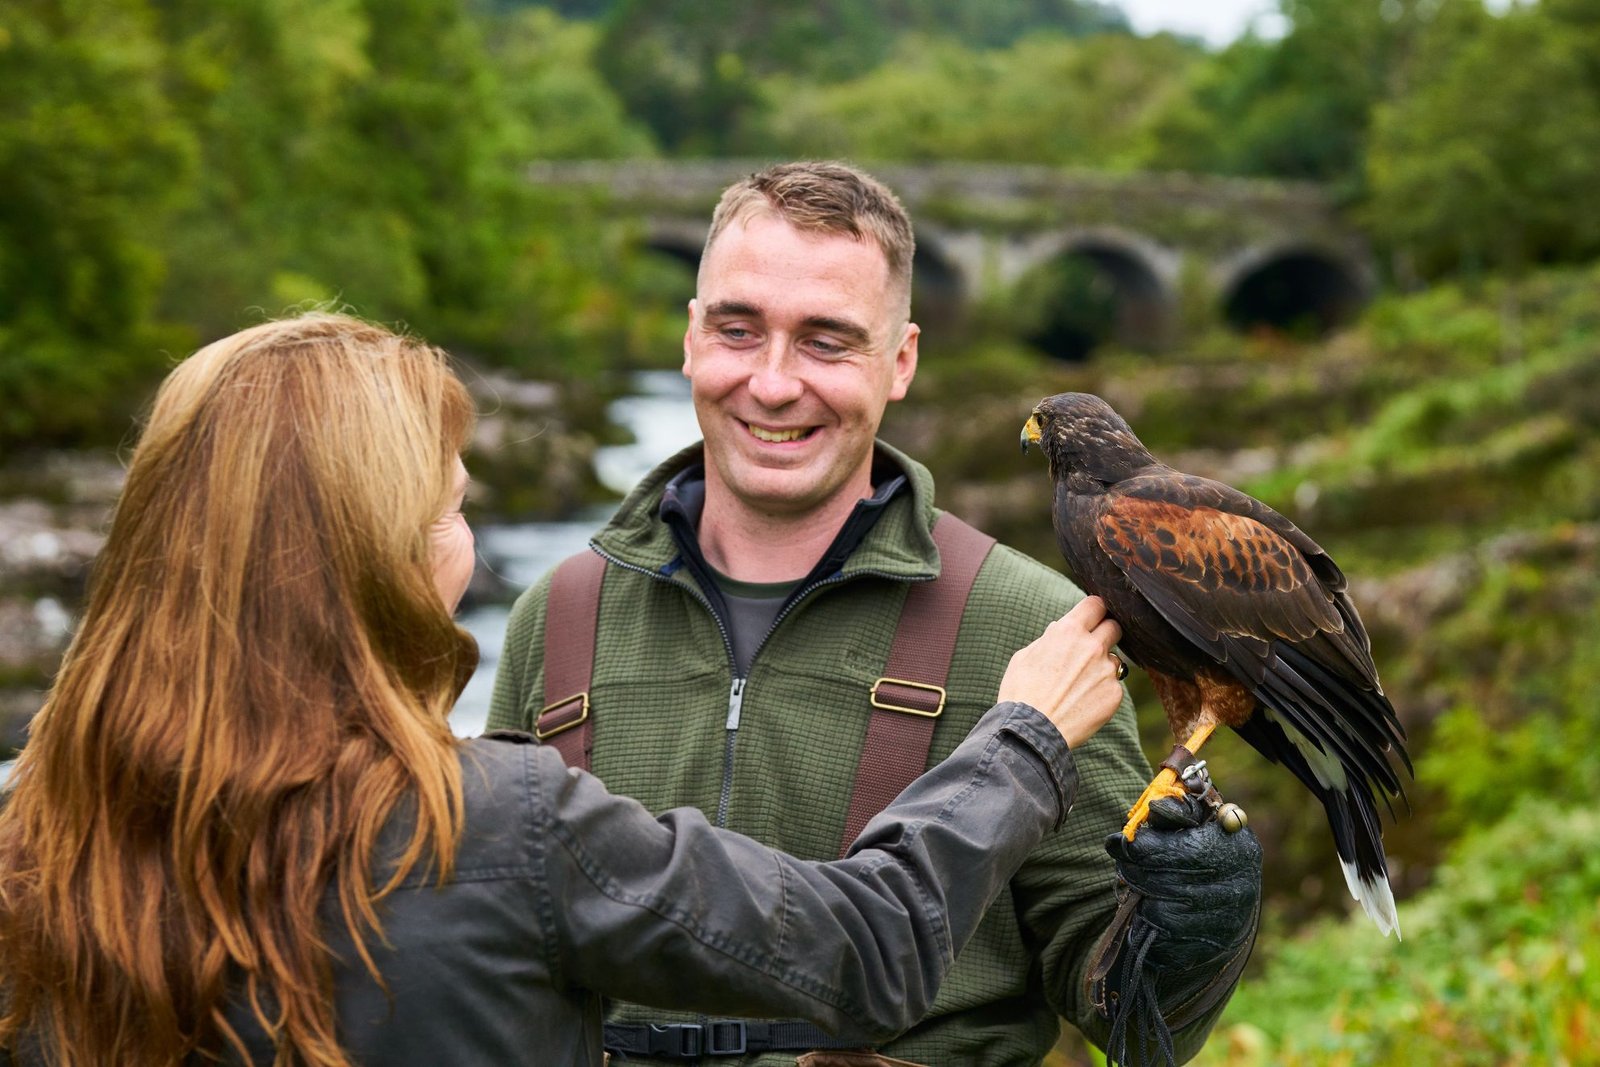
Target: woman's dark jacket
[{"x": 564, "y": 893}]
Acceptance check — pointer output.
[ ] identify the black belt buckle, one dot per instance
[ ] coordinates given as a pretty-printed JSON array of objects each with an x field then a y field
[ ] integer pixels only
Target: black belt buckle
[
  {"x": 674, "y": 1040},
  {"x": 725, "y": 1037},
  {"x": 716, "y": 1038},
  {"x": 689, "y": 1041}
]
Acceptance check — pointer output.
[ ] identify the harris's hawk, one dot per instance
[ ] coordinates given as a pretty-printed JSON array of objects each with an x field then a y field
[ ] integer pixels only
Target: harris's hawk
[{"x": 1239, "y": 618}]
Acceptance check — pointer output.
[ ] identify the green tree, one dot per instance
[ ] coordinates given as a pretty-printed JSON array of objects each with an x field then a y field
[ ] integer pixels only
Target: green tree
[
  {"x": 282, "y": 210},
  {"x": 564, "y": 109},
  {"x": 90, "y": 153},
  {"x": 1047, "y": 99},
  {"x": 442, "y": 143},
  {"x": 360, "y": 151},
  {"x": 1298, "y": 107},
  {"x": 1490, "y": 160},
  {"x": 692, "y": 69},
  {"x": 1000, "y": 23},
  {"x": 688, "y": 68}
]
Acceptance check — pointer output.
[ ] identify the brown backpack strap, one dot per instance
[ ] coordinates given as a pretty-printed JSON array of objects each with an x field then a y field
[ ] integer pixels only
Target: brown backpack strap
[
  {"x": 570, "y": 615},
  {"x": 909, "y": 698}
]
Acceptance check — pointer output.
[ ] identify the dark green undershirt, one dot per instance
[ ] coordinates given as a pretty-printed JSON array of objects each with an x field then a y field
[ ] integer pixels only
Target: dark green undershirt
[{"x": 751, "y": 608}]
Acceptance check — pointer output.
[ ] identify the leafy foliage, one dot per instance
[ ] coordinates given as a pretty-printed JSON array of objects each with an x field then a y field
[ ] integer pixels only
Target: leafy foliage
[
  {"x": 1046, "y": 99},
  {"x": 1298, "y": 107},
  {"x": 707, "y": 78},
  {"x": 170, "y": 172},
  {"x": 549, "y": 79},
  {"x": 1464, "y": 178},
  {"x": 1498, "y": 965},
  {"x": 90, "y": 153},
  {"x": 688, "y": 69}
]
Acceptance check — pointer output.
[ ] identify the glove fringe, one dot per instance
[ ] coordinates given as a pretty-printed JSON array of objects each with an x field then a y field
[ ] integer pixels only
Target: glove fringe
[{"x": 1138, "y": 1007}]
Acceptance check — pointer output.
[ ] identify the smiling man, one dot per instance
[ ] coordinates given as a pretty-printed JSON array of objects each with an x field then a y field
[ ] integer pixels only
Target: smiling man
[{"x": 751, "y": 622}]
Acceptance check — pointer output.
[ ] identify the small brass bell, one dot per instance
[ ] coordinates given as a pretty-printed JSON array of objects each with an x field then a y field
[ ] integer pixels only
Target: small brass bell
[{"x": 1232, "y": 818}]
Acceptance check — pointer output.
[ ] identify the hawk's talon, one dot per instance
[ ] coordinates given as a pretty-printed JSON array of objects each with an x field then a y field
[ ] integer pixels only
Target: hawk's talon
[{"x": 1165, "y": 785}]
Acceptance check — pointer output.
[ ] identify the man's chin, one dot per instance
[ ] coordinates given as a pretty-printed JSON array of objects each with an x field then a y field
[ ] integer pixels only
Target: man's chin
[
  {"x": 771, "y": 493},
  {"x": 780, "y": 504}
]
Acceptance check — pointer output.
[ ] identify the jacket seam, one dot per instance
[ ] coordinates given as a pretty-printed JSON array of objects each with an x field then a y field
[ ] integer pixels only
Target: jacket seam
[{"x": 538, "y": 822}]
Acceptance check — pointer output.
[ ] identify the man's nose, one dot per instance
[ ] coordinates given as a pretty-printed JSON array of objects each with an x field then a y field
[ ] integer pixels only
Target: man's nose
[{"x": 773, "y": 381}]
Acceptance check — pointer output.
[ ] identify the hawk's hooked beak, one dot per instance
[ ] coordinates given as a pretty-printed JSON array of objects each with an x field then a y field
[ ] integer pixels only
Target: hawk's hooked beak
[{"x": 1030, "y": 432}]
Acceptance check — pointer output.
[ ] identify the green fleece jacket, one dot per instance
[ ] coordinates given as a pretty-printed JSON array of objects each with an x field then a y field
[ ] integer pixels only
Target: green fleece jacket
[{"x": 660, "y": 697}]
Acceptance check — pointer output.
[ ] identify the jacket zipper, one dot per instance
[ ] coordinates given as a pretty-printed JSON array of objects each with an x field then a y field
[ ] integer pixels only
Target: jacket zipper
[
  {"x": 737, "y": 687},
  {"x": 735, "y": 707},
  {"x": 735, "y": 692}
]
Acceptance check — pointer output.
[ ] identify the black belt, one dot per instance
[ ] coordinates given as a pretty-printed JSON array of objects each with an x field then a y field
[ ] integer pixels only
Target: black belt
[{"x": 715, "y": 1037}]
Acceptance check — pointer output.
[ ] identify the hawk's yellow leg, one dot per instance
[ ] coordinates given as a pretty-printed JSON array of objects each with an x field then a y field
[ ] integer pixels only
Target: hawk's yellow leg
[{"x": 1165, "y": 785}]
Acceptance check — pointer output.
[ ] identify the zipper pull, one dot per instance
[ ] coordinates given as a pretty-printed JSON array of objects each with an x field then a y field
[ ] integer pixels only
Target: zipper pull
[{"x": 735, "y": 703}]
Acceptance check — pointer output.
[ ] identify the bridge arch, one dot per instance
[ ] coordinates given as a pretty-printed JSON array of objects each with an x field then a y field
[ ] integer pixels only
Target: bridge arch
[
  {"x": 664, "y": 277},
  {"x": 676, "y": 239},
  {"x": 1099, "y": 284},
  {"x": 938, "y": 289},
  {"x": 1295, "y": 288}
]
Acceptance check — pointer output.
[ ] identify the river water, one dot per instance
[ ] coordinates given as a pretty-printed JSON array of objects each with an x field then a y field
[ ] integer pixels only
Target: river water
[{"x": 661, "y": 419}]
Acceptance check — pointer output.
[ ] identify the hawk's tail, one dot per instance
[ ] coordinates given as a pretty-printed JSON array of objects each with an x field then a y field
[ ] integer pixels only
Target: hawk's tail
[
  {"x": 1354, "y": 820},
  {"x": 1346, "y": 795}
]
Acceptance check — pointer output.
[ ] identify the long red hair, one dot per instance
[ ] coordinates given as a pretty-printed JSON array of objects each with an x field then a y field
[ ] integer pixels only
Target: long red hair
[{"x": 263, "y": 670}]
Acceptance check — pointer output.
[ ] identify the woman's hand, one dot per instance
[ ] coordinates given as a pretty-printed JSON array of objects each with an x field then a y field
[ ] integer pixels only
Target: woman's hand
[{"x": 1070, "y": 673}]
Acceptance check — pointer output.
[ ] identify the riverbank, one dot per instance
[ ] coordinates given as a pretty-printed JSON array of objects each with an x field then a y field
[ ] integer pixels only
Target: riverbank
[{"x": 54, "y": 511}]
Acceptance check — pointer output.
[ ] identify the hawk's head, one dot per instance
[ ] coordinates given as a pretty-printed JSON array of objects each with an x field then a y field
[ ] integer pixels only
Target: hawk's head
[{"x": 1084, "y": 440}]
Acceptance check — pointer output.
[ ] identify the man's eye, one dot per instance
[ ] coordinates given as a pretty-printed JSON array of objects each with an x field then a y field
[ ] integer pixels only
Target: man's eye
[
  {"x": 826, "y": 348},
  {"x": 737, "y": 333}
]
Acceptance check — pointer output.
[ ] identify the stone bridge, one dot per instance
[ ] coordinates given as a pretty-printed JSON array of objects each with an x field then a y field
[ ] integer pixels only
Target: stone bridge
[{"x": 1156, "y": 252}]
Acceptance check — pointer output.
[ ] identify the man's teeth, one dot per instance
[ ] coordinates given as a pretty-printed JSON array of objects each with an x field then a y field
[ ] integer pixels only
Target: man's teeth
[{"x": 776, "y": 436}]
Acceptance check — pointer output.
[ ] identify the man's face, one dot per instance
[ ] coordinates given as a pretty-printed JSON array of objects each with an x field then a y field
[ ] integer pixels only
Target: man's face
[{"x": 796, "y": 344}]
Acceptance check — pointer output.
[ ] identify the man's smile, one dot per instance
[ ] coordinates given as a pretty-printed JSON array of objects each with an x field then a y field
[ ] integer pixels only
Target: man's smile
[{"x": 777, "y": 436}]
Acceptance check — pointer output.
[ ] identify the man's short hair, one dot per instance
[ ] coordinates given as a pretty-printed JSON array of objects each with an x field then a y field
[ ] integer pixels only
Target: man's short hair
[{"x": 825, "y": 198}]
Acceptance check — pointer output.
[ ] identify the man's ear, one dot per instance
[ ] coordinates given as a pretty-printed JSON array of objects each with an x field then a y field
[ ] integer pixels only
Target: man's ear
[
  {"x": 688, "y": 335},
  {"x": 905, "y": 362}
]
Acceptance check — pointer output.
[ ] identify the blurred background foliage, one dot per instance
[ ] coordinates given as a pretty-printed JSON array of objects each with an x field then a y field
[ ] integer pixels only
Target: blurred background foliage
[
  {"x": 166, "y": 166},
  {"x": 170, "y": 171}
]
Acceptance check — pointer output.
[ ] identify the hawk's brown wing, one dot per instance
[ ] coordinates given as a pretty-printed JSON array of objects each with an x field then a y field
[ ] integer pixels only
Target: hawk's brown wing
[{"x": 1246, "y": 586}]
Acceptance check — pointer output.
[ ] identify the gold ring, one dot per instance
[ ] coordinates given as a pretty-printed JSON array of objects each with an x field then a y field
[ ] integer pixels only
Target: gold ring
[{"x": 1122, "y": 666}]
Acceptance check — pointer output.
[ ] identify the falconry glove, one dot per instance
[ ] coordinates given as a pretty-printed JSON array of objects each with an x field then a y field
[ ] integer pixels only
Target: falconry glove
[{"x": 1190, "y": 895}]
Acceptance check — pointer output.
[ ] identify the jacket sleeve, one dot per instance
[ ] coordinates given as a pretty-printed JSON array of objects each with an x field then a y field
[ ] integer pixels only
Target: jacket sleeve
[
  {"x": 520, "y": 674},
  {"x": 679, "y": 914}
]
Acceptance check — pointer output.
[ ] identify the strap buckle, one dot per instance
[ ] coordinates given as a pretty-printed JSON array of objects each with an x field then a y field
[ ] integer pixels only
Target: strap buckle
[
  {"x": 674, "y": 1040},
  {"x": 879, "y": 698},
  {"x": 725, "y": 1037},
  {"x": 556, "y": 717},
  {"x": 719, "y": 1037}
]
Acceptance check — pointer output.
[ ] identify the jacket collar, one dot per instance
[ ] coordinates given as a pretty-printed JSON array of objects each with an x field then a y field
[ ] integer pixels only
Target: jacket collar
[{"x": 898, "y": 543}]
